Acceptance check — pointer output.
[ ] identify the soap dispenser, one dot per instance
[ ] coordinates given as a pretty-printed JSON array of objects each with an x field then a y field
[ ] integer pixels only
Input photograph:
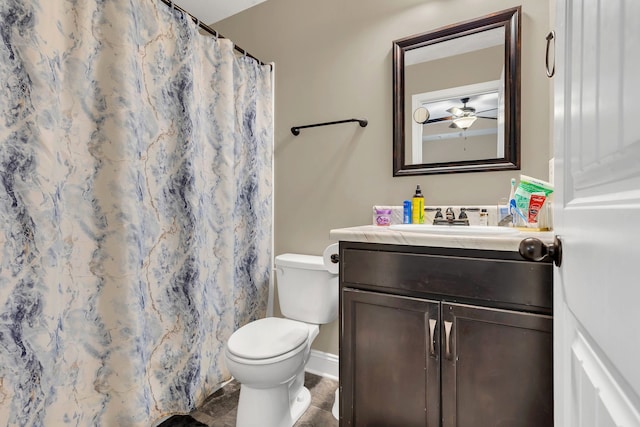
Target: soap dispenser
[{"x": 417, "y": 207}]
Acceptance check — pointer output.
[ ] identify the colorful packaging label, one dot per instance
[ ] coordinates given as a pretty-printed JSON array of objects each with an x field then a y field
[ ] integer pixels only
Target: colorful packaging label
[{"x": 383, "y": 216}]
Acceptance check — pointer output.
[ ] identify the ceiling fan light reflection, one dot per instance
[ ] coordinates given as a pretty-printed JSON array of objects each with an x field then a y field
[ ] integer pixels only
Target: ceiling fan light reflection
[{"x": 464, "y": 122}]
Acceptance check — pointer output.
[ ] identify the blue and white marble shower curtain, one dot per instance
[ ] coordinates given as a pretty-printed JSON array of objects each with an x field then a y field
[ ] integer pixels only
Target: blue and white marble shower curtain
[{"x": 135, "y": 210}]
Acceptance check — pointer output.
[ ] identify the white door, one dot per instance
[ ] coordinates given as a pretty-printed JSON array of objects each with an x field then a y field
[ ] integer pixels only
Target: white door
[{"x": 597, "y": 213}]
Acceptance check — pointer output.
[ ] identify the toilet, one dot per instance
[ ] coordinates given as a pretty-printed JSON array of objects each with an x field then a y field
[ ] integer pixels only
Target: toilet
[{"x": 268, "y": 356}]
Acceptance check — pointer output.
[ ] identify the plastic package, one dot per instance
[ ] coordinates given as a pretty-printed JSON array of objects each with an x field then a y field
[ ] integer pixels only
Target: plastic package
[
  {"x": 527, "y": 188},
  {"x": 383, "y": 216}
]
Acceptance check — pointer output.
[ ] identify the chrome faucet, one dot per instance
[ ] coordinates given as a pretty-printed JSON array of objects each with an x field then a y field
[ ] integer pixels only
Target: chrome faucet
[{"x": 450, "y": 218}]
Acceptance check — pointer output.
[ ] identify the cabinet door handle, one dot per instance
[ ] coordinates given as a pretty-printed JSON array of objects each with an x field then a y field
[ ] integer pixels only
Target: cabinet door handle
[
  {"x": 447, "y": 338},
  {"x": 432, "y": 328}
]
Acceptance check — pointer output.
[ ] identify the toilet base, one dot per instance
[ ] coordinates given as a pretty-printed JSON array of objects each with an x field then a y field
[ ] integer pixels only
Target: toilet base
[
  {"x": 300, "y": 404},
  {"x": 270, "y": 407}
]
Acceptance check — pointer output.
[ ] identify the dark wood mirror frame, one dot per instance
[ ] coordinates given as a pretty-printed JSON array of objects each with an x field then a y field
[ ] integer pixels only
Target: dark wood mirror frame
[{"x": 510, "y": 20}]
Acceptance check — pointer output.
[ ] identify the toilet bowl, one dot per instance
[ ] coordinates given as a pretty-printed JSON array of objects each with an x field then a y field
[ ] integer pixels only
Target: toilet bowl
[{"x": 268, "y": 356}]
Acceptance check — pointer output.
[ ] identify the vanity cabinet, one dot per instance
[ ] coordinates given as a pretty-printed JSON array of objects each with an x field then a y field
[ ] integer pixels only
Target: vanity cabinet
[{"x": 444, "y": 337}]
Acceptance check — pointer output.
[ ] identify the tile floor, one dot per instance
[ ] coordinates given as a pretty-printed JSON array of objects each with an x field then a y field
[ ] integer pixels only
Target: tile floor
[{"x": 219, "y": 410}]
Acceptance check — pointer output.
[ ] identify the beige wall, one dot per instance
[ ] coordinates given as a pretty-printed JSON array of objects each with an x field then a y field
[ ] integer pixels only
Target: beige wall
[{"x": 333, "y": 62}]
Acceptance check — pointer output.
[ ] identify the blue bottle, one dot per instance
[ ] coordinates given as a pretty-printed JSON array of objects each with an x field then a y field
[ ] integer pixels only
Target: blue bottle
[{"x": 406, "y": 217}]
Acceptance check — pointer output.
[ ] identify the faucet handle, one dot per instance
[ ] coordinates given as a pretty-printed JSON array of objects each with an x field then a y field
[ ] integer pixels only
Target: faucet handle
[
  {"x": 463, "y": 212},
  {"x": 438, "y": 212}
]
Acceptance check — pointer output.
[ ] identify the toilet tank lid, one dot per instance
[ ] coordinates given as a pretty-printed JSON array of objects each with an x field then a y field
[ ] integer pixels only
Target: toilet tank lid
[{"x": 309, "y": 262}]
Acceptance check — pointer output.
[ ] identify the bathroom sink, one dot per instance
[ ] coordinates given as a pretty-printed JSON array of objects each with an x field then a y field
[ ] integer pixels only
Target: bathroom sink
[{"x": 460, "y": 230}]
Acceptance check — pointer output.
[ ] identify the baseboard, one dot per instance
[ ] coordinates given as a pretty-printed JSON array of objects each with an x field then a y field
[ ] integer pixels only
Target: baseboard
[{"x": 323, "y": 364}]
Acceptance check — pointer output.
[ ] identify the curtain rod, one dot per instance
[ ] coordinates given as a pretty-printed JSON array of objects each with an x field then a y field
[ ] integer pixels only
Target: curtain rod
[{"x": 211, "y": 31}]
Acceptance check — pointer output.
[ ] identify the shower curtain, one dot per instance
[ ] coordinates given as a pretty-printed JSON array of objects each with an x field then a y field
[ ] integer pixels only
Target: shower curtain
[{"x": 135, "y": 210}]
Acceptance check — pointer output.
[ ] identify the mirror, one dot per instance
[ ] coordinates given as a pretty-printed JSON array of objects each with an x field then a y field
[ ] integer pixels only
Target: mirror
[{"x": 456, "y": 97}]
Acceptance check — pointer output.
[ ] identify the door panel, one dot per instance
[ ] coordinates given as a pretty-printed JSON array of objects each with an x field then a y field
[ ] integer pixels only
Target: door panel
[
  {"x": 386, "y": 346},
  {"x": 597, "y": 212},
  {"x": 597, "y": 396},
  {"x": 499, "y": 371}
]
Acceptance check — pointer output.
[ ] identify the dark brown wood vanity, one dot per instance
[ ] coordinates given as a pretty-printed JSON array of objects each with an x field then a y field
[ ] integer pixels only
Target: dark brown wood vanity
[{"x": 437, "y": 336}]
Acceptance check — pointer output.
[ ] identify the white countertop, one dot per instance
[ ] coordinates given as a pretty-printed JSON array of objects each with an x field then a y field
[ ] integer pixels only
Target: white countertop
[{"x": 381, "y": 234}]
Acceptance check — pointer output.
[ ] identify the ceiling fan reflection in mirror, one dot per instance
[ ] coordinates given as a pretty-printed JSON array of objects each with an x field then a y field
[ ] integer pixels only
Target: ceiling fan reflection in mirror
[{"x": 460, "y": 117}]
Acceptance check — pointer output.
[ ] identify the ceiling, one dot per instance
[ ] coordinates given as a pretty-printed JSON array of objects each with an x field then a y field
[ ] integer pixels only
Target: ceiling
[{"x": 212, "y": 11}]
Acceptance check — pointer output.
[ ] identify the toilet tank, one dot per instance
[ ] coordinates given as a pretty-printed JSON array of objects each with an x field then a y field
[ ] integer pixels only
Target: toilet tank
[{"x": 306, "y": 290}]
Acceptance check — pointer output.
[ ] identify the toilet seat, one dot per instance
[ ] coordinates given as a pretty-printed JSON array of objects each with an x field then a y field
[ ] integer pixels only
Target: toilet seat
[{"x": 267, "y": 338}]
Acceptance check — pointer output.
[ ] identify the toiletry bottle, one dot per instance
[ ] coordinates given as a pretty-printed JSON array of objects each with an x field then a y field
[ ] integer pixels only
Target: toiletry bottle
[
  {"x": 417, "y": 207},
  {"x": 406, "y": 218},
  {"x": 484, "y": 217}
]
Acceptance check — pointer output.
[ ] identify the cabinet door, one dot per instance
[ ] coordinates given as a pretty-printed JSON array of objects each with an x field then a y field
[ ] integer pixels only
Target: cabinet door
[
  {"x": 389, "y": 361},
  {"x": 496, "y": 368}
]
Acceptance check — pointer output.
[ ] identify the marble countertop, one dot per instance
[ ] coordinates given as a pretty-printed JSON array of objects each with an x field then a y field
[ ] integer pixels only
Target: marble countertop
[{"x": 378, "y": 234}]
